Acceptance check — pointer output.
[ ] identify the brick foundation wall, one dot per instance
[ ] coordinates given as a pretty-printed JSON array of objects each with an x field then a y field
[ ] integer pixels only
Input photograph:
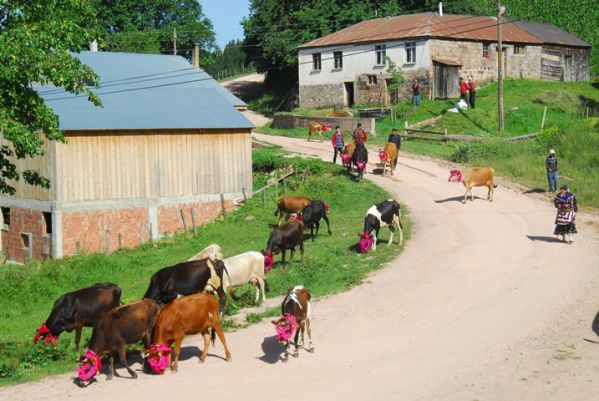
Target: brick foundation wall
[
  {"x": 104, "y": 230},
  {"x": 171, "y": 221},
  {"x": 25, "y": 221}
]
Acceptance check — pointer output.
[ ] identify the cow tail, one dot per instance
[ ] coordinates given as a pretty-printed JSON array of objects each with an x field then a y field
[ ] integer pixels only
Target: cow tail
[
  {"x": 213, "y": 335},
  {"x": 266, "y": 287}
]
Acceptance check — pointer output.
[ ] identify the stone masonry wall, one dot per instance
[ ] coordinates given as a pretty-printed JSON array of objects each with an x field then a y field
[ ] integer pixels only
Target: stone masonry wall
[
  {"x": 371, "y": 89},
  {"x": 321, "y": 96},
  {"x": 25, "y": 221},
  {"x": 170, "y": 220}
]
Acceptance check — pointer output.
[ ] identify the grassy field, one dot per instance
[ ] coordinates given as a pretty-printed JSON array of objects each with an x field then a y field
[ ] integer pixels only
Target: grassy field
[
  {"x": 575, "y": 139},
  {"x": 331, "y": 263}
]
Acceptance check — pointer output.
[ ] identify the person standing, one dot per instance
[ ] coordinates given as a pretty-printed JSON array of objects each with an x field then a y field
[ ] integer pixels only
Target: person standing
[
  {"x": 359, "y": 135},
  {"x": 416, "y": 88},
  {"x": 551, "y": 167},
  {"x": 565, "y": 202},
  {"x": 338, "y": 142},
  {"x": 395, "y": 138},
  {"x": 463, "y": 89},
  {"x": 472, "y": 91}
]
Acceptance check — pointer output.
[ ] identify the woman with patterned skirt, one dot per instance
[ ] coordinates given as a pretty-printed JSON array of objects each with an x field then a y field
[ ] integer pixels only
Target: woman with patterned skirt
[{"x": 565, "y": 202}]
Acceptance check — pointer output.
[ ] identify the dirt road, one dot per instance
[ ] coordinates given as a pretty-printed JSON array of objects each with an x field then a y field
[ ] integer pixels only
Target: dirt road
[{"x": 483, "y": 304}]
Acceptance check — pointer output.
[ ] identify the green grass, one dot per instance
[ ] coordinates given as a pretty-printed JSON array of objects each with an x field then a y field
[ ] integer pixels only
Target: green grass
[{"x": 331, "y": 263}]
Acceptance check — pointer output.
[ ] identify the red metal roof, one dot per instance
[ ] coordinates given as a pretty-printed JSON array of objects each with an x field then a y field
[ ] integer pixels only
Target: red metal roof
[{"x": 466, "y": 27}]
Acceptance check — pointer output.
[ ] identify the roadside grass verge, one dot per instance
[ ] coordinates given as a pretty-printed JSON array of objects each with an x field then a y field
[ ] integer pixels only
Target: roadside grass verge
[{"x": 331, "y": 263}]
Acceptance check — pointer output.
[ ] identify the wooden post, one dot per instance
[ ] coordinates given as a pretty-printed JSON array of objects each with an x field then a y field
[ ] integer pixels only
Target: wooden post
[
  {"x": 445, "y": 136},
  {"x": 183, "y": 219},
  {"x": 244, "y": 195},
  {"x": 120, "y": 240},
  {"x": 222, "y": 205},
  {"x": 174, "y": 41},
  {"x": 106, "y": 240},
  {"x": 193, "y": 219},
  {"x": 285, "y": 186},
  {"x": 500, "y": 11},
  {"x": 264, "y": 198},
  {"x": 78, "y": 247},
  {"x": 543, "y": 120},
  {"x": 150, "y": 233}
]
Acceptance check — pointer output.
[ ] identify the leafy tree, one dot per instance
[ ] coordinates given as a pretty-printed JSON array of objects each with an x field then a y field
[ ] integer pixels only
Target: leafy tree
[
  {"x": 147, "y": 26},
  {"x": 35, "y": 40},
  {"x": 396, "y": 80}
]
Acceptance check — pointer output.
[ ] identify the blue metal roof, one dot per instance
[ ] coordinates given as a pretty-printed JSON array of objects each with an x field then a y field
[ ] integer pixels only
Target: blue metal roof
[{"x": 146, "y": 91}]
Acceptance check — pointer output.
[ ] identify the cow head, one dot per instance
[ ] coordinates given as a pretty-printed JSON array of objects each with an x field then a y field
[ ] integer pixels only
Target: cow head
[
  {"x": 268, "y": 260},
  {"x": 345, "y": 159},
  {"x": 361, "y": 165},
  {"x": 365, "y": 242},
  {"x": 43, "y": 333},
  {"x": 455, "y": 176},
  {"x": 296, "y": 217},
  {"x": 285, "y": 327},
  {"x": 159, "y": 358},
  {"x": 89, "y": 365}
]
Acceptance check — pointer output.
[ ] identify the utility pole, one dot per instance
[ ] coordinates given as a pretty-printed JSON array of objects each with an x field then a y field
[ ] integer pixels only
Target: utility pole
[
  {"x": 174, "y": 41},
  {"x": 500, "y": 11}
]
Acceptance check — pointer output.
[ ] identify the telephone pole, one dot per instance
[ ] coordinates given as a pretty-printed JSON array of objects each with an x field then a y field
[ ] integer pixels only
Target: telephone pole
[
  {"x": 174, "y": 41},
  {"x": 500, "y": 11}
]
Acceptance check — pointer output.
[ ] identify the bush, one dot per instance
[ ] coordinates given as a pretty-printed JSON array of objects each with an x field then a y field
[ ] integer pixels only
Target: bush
[
  {"x": 550, "y": 138},
  {"x": 473, "y": 152}
]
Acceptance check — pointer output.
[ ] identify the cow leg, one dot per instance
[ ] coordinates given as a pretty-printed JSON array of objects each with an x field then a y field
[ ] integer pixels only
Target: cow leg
[
  {"x": 302, "y": 250},
  {"x": 176, "y": 353},
  {"x": 309, "y": 330},
  {"x": 206, "y": 335},
  {"x": 123, "y": 358},
  {"x": 286, "y": 357},
  {"x": 111, "y": 367},
  {"x": 326, "y": 219},
  {"x": 283, "y": 259},
  {"x": 292, "y": 254},
  {"x": 397, "y": 221},
  {"x": 490, "y": 194},
  {"x": 374, "y": 241},
  {"x": 295, "y": 339},
  {"x": 312, "y": 231},
  {"x": 221, "y": 336}
]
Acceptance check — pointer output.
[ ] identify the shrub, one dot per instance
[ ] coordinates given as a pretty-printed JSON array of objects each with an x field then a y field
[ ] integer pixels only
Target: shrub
[{"x": 550, "y": 138}]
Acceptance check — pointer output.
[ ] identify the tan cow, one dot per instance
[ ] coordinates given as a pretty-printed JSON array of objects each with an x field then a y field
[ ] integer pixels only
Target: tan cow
[
  {"x": 389, "y": 157},
  {"x": 319, "y": 128},
  {"x": 475, "y": 177},
  {"x": 290, "y": 204}
]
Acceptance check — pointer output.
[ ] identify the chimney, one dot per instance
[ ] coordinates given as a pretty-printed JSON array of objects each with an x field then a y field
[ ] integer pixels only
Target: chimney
[
  {"x": 440, "y": 9},
  {"x": 93, "y": 46},
  {"x": 195, "y": 56}
]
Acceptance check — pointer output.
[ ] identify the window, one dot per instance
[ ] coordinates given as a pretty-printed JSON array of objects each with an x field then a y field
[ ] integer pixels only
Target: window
[
  {"x": 6, "y": 217},
  {"x": 48, "y": 222},
  {"x": 519, "y": 49},
  {"x": 410, "y": 52},
  {"x": 372, "y": 80},
  {"x": 486, "y": 53},
  {"x": 381, "y": 52},
  {"x": 316, "y": 62},
  {"x": 25, "y": 240},
  {"x": 338, "y": 56}
]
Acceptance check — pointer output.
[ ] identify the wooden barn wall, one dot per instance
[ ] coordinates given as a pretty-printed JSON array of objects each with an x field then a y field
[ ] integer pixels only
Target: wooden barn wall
[
  {"x": 131, "y": 164},
  {"x": 41, "y": 164}
]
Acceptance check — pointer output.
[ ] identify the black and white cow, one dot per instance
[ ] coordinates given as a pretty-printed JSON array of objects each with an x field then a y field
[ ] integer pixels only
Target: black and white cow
[{"x": 384, "y": 214}]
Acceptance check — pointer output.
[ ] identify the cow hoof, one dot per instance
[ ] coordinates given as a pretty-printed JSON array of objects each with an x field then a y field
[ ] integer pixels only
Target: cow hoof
[
  {"x": 285, "y": 359},
  {"x": 311, "y": 350},
  {"x": 134, "y": 375},
  {"x": 295, "y": 353},
  {"x": 109, "y": 377}
]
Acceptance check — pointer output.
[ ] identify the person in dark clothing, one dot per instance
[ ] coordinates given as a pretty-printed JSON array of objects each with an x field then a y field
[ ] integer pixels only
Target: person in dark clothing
[
  {"x": 565, "y": 221},
  {"x": 416, "y": 88},
  {"x": 472, "y": 91},
  {"x": 551, "y": 167},
  {"x": 395, "y": 138},
  {"x": 359, "y": 135},
  {"x": 338, "y": 142}
]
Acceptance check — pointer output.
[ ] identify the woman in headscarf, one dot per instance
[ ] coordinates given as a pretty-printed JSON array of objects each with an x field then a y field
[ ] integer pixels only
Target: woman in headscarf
[{"x": 565, "y": 202}]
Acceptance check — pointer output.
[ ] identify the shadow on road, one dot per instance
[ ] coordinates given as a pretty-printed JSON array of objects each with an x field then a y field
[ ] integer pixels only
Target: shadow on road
[
  {"x": 456, "y": 199},
  {"x": 272, "y": 350},
  {"x": 534, "y": 191},
  {"x": 543, "y": 238}
]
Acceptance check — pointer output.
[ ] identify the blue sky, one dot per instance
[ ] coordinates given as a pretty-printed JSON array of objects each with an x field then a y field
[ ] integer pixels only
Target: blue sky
[{"x": 226, "y": 16}]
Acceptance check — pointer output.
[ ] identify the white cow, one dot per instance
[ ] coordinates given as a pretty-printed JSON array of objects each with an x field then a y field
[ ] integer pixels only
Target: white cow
[
  {"x": 245, "y": 268},
  {"x": 211, "y": 251}
]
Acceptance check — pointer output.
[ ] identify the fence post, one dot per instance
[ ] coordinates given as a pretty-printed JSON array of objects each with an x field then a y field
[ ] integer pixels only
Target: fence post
[
  {"x": 222, "y": 205},
  {"x": 543, "y": 120},
  {"x": 445, "y": 137},
  {"x": 244, "y": 195},
  {"x": 405, "y": 127},
  {"x": 106, "y": 240},
  {"x": 193, "y": 219},
  {"x": 120, "y": 240}
]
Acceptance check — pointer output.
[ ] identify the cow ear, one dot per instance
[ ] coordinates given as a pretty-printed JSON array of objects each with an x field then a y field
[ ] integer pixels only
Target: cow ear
[{"x": 274, "y": 322}]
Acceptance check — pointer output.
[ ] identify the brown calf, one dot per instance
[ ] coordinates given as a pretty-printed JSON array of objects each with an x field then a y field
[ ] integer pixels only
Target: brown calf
[
  {"x": 192, "y": 314},
  {"x": 390, "y": 157},
  {"x": 290, "y": 204},
  {"x": 475, "y": 177},
  {"x": 295, "y": 309},
  {"x": 125, "y": 324},
  {"x": 319, "y": 128}
]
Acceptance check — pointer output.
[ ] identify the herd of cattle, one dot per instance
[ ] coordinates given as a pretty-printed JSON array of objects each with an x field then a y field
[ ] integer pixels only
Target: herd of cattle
[{"x": 185, "y": 290}]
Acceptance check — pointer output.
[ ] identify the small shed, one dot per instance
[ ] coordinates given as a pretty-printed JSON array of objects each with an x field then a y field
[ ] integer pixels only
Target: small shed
[{"x": 167, "y": 151}]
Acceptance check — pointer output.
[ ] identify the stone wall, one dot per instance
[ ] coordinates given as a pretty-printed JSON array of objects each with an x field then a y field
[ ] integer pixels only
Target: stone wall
[
  {"x": 286, "y": 121},
  {"x": 31, "y": 225},
  {"x": 171, "y": 221},
  {"x": 322, "y": 96},
  {"x": 371, "y": 89}
]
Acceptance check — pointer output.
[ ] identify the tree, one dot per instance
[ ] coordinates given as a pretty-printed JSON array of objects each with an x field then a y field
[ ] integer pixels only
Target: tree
[
  {"x": 147, "y": 26},
  {"x": 396, "y": 81},
  {"x": 36, "y": 38}
]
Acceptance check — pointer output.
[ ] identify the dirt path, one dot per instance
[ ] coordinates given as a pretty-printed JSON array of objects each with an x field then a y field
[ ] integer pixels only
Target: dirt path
[{"x": 482, "y": 305}]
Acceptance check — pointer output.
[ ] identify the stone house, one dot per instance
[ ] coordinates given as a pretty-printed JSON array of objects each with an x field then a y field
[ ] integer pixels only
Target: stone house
[
  {"x": 349, "y": 66},
  {"x": 167, "y": 151}
]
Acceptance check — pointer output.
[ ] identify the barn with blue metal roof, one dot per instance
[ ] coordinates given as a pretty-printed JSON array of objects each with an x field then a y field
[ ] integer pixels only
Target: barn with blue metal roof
[{"x": 167, "y": 151}]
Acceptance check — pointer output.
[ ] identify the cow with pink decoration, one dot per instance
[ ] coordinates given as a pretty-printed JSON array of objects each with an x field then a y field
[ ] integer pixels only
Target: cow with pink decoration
[
  {"x": 384, "y": 214},
  {"x": 295, "y": 319}
]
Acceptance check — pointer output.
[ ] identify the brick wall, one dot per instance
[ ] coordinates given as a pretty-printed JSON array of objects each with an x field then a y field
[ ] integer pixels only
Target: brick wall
[
  {"x": 104, "y": 230},
  {"x": 25, "y": 221},
  {"x": 170, "y": 219}
]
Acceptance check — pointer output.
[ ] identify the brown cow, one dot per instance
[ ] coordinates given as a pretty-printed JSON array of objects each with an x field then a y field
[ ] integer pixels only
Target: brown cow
[
  {"x": 192, "y": 314},
  {"x": 290, "y": 204},
  {"x": 389, "y": 154},
  {"x": 125, "y": 324},
  {"x": 320, "y": 128},
  {"x": 475, "y": 177},
  {"x": 295, "y": 319}
]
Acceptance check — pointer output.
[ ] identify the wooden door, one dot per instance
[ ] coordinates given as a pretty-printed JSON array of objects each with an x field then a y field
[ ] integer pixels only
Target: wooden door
[{"x": 446, "y": 81}]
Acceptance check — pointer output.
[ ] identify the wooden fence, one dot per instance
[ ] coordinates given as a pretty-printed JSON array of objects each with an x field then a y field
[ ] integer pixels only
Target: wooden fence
[{"x": 443, "y": 136}]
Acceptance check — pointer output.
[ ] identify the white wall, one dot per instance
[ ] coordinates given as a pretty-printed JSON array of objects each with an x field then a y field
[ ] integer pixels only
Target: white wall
[{"x": 358, "y": 59}]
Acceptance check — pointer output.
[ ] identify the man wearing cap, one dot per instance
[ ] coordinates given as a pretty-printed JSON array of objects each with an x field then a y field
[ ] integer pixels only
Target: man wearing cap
[{"x": 551, "y": 166}]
